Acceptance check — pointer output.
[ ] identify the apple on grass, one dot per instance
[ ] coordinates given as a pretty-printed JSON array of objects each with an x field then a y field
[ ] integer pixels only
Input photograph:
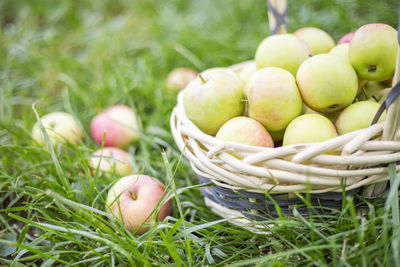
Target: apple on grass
[
  {"x": 61, "y": 127},
  {"x": 119, "y": 124},
  {"x": 178, "y": 78},
  {"x": 284, "y": 51},
  {"x": 133, "y": 200},
  {"x": 309, "y": 128},
  {"x": 319, "y": 41},
  {"x": 244, "y": 130},
  {"x": 111, "y": 159},
  {"x": 373, "y": 51},
  {"x": 213, "y": 98},
  {"x": 327, "y": 83}
]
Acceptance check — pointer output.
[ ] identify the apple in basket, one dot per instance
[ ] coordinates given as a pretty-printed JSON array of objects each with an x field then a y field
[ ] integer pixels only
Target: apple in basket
[
  {"x": 309, "y": 128},
  {"x": 357, "y": 116},
  {"x": 327, "y": 83},
  {"x": 134, "y": 198},
  {"x": 61, "y": 127},
  {"x": 341, "y": 50},
  {"x": 120, "y": 125},
  {"x": 273, "y": 98},
  {"x": 178, "y": 78},
  {"x": 284, "y": 51},
  {"x": 373, "y": 51},
  {"x": 213, "y": 98},
  {"x": 346, "y": 38},
  {"x": 244, "y": 130},
  {"x": 318, "y": 40},
  {"x": 111, "y": 159}
]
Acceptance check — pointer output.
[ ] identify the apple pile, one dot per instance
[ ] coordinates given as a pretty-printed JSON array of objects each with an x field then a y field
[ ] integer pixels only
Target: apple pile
[
  {"x": 133, "y": 198},
  {"x": 301, "y": 88}
]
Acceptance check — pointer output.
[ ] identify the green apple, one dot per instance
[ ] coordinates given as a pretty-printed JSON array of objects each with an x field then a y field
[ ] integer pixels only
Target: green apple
[
  {"x": 327, "y": 83},
  {"x": 319, "y": 41},
  {"x": 309, "y": 128},
  {"x": 373, "y": 51},
  {"x": 357, "y": 116},
  {"x": 273, "y": 98},
  {"x": 370, "y": 89},
  {"x": 341, "y": 50},
  {"x": 331, "y": 116},
  {"x": 61, "y": 127},
  {"x": 247, "y": 71},
  {"x": 285, "y": 51},
  {"x": 244, "y": 130},
  {"x": 212, "y": 99}
]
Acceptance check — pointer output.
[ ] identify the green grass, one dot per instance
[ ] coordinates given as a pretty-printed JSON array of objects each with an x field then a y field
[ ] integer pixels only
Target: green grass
[{"x": 83, "y": 56}]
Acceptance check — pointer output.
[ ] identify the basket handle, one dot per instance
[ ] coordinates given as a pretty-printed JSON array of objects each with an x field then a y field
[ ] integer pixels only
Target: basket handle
[{"x": 277, "y": 16}]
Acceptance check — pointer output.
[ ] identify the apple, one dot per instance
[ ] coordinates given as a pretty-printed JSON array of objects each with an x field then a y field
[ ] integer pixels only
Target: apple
[
  {"x": 111, "y": 159},
  {"x": 309, "y": 128},
  {"x": 341, "y": 50},
  {"x": 373, "y": 51},
  {"x": 178, "y": 78},
  {"x": 244, "y": 130},
  {"x": 119, "y": 124},
  {"x": 357, "y": 116},
  {"x": 213, "y": 98},
  {"x": 327, "y": 83},
  {"x": 346, "y": 38},
  {"x": 133, "y": 198},
  {"x": 247, "y": 71},
  {"x": 319, "y": 41},
  {"x": 370, "y": 89},
  {"x": 273, "y": 98},
  {"x": 61, "y": 127},
  {"x": 285, "y": 51}
]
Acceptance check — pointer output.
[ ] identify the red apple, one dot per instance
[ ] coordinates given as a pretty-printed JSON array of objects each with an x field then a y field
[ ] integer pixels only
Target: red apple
[
  {"x": 133, "y": 198},
  {"x": 346, "y": 38},
  {"x": 178, "y": 78},
  {"x": 111, "y": 159},
  {"x": 118, "y": 123}
]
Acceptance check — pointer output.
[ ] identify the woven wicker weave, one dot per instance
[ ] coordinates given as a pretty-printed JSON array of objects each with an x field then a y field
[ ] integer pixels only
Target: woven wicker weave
[{"x": 359, "y": 164}]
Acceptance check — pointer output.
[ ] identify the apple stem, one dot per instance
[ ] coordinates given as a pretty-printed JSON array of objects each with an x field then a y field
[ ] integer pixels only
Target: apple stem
[{"x": 202, "y": 78}]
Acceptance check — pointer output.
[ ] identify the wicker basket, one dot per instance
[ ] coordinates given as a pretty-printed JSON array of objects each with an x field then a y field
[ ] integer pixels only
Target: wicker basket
[{"x": 248, "y": 188}]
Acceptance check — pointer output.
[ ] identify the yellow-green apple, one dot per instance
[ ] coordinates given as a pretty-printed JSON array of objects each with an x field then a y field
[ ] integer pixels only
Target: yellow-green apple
[
  {"x": 373, "y": 51},
  {"x": 331, "y": 116},
  {"x": 118, "y": 123},
  {"x": 357, "y": 116},
  {"x": 370, "y": 89},
  {"x": 309, "y": 128},
  {"x": 285, "y": 51},
  {"x": 61, "y": 127},
  {"x": 273, "y": 98},
  {"x": 178, "y": 78},
  {"x": 244, "y": 130},
  {"x": 327, "y": 83},
  {"x": 346, "y": 38},
  {"x": 247, "y": 71},
  {"x": 319, "y": 41},
  {"x": 134, "y": 198},
  {"x": 213, "y": 98},
  {"x": 111, "y": 159},
  {"x": 341, "y": 50}
]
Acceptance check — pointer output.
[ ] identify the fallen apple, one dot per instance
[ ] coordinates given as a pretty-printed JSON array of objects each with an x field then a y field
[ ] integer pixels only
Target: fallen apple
[
  {"x": 134, "y": 198},
  {"x": 284, "y": 51},
  {"x": 111, "y": 159},
  {"x": 327, "y": 83},
  {"x": 61, "y": 127},
  {"x": 244, "y": 130},
  {"x": 309, "y": 128},
  {"x": 319, "y": 41},
  {"x": 178, "y": 78},
  {"x": 118, "y": 123},
  {"x": 373, "y": 51},
  {"x": 273, "y": 98},
  {"x": 357, "y": 116},
  {"x": 213, "y": 98}
]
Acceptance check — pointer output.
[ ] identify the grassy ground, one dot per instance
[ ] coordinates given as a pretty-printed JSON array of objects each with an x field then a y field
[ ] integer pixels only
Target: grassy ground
[{"x": 83, "y": 56}]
